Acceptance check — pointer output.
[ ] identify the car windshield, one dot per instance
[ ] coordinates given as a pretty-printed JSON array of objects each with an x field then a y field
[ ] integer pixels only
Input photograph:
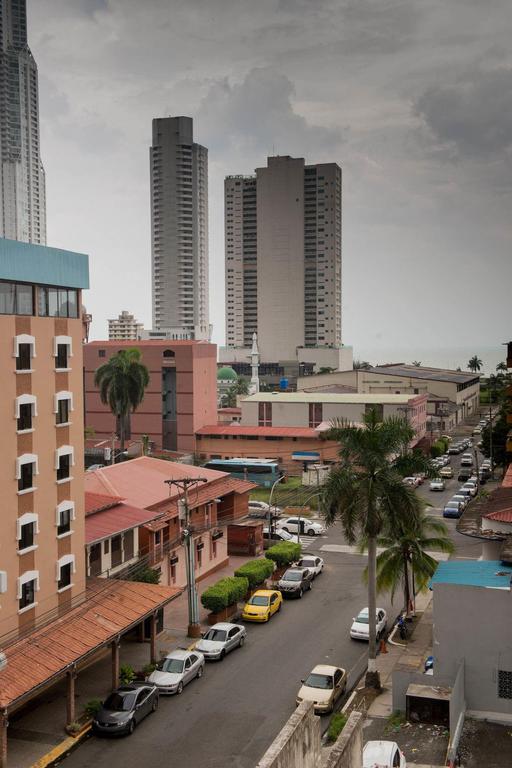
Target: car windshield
[
  {"x": 216, "y": 634},
  {"x": 285, "y": 535},
  {"x": 307, "y": 563},
  {"x": 292, "y": 576},
  {"x": 362, "y": 618},
  {"x": 171, "y": 665},
  {"x": 120, "y": 702},
  {"x": 315, "y": 680},
  {"x": 258, "y": 600}
]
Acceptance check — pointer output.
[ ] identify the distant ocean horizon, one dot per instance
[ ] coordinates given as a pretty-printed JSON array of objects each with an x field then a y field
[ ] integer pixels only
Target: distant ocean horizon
[{"x": 448, "y": 357}]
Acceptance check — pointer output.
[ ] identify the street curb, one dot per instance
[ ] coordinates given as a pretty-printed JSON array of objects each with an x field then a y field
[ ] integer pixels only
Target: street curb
[{"x": 62, "y": 749}]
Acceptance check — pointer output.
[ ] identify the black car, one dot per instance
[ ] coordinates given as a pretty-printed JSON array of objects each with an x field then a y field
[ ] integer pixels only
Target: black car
[
  {"x": 295, "y": 581},
  {"x": 124, "y": 708},
  {"x": 464, "y": 474}
]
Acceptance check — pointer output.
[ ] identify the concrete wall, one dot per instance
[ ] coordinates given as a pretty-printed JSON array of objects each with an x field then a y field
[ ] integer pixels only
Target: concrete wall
[
  {"x": 457, "y": 711},
  {"x": 298, "y": 743},
  {"x": 347, "y": 752},
  {"x": 475, "y": 624}
]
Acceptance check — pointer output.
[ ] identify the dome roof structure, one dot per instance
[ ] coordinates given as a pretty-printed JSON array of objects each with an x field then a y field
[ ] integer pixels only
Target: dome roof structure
[{"x": 226, "y": 373}]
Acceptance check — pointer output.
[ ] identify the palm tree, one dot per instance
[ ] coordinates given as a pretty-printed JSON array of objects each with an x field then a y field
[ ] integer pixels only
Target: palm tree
[
  {"x": 416, "y": 363},
  {"x": 239, "y": 387},
  {"x": 501, "y": 367},
  {"x": 122, "y": 383},
  {"x": 361, "y": 365},
  {"x": 406, "y": 554},
  {"x": 474, "y": 363},
  {"x": 366, "y": 493}
]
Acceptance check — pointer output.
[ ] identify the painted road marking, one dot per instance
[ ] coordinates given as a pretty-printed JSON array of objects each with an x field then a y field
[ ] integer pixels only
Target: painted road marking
[{"x": 345, "y": 549}]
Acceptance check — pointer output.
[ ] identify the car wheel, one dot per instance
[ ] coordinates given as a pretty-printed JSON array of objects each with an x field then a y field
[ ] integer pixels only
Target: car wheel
[
  {"x": 155, "y": 705},
  {"x": 242, "y": 641},
  {"x": 310, "y": 532},
  {"x": 310, "y": 585},
  {"x": 131, "y": 727},
  {"x": 222, "y": 655},
  {"x": 268, "y": 616},
  {"x": 300, "y": 593},
  {"x": 179, "y": 689},
  {"x": 279, "y": 607},
  {"x": 200, "y": 671}
]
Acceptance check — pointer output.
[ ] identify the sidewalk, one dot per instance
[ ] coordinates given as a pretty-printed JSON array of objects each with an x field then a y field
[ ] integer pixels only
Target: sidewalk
[{"x": 39, "y": 728}]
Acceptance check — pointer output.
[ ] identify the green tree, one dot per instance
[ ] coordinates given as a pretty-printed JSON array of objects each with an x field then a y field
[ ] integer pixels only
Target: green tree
[
  {"x": 417, "y": 363},
  {"x": 474, "y": 363},
  {"x": 500, "y": 429},
  {"x": 122, "y": 383},
  {"x": 502, "y": 367},
  {"x": 326, "y": 369},
  {"x": 366, "y": 493},
  {"x": 406, "y": 553},
  {"x": 239, "y": 387}
]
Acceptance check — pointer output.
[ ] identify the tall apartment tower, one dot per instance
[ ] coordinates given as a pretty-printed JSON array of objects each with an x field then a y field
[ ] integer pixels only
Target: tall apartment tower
[
  {"x": 283, "y": 260},
  {"x": 22, "y": 182},
  {"x": 124, "y": 327},
  {"x": 179, "y": 230}
]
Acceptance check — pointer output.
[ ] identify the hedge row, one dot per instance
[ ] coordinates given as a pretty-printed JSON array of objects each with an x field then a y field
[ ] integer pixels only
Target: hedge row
[
  {"x": 284, "y": 553},
  {"x": 224, "y": 592},
  {"x": 256, "y": 571}
]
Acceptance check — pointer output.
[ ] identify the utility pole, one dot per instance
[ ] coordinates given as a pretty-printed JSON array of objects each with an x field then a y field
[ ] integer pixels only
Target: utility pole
[{"x": 194, "y": 627}]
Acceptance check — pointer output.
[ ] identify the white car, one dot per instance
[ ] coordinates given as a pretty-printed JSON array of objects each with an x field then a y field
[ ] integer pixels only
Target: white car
[
  {"x": 466, "y": 460},
  {"x": 446, "y": 473},
  {"x": 462, "y": 499},
  {"x": 323, "y": 686},
  {"x": 411, "y": 481},
  {"x": 313, "y": 563},
  {"x": 176, "y": 670},
  {"x": 383, "y": 754},
  {"x": 437, "y": 484},
  {"x": 360, "y": 628},
  {"x": 471, "y": 487},
  {"x": 301, "y": 525},
  {"x": 281, "y": 535},
  {"x": 221, "y": 639}
]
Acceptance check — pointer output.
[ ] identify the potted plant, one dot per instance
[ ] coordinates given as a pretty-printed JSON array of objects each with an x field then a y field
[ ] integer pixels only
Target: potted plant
[
  {"x": 221, "y": 598},
  {"x": 283, "y": 554}
]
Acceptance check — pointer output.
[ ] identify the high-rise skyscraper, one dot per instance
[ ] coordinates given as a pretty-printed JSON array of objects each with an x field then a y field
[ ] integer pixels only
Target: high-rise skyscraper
[
  {"x": 283, "y": 263},
  {"x": 22, "y": 183},
  {"x": 179, "y": 230}
]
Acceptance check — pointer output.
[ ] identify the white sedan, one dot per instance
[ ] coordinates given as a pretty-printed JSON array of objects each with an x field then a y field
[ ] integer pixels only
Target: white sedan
[
  {"x": 301, "y": 525},
  {"x": 384, "y": 754},
  {"x": 220, "y": 639},
  {"x": 313, "y": 563},
  {"x": 323, "y": 686},
  {"x": 177, "y": 669},
  {"x": 360, "y": 628},
  {"x": 437, "y": 484}
]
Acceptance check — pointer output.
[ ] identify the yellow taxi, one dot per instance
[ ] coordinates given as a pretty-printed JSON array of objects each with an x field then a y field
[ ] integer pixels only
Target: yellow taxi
[{"x": 262, "y": 605}]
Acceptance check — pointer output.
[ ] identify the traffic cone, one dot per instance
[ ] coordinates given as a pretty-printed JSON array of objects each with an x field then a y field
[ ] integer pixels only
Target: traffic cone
[{"x": 383, "y": 647}]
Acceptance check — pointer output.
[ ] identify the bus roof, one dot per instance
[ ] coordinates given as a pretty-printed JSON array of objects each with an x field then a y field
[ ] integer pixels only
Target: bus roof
[{"x": 235, "y": 462}]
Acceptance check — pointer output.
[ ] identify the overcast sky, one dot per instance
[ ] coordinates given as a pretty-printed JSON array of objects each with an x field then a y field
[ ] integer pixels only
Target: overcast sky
[{"x": 413, "y": 98}]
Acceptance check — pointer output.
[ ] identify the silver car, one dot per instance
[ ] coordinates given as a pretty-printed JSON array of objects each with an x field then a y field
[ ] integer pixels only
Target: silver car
[
  {"x": 176, "y": 670},
  {"x": 220, "y": 639}
]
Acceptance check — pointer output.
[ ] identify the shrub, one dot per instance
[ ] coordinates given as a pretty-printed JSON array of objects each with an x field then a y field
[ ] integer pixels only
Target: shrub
[
  {"x": 148, "y": 669},
  {"x": 92, "y": 707},
  {"x": 224, "y": 592},
  {"x": 147, "y": 575},
  {"x": 126, "y": 674},
  {"x": 337, "y": 724},
  {"x": 438, "y": 448},
  {"x": 284, "y": 553},
  {"x": 255, "y": 571}
]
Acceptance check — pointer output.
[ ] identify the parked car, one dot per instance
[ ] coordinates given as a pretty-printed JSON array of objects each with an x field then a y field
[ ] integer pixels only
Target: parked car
[
  {"x": 463, "y": 491},
  {"x": 464, "y": 475},
  {"x": 454, "y": 449},
  {"x": 323, "y": 686},
  {"x": 301, "y": 525},
  {"x": 411, "y": 481},
  {"x": 437, "y": 484},
  {"x": 221, "y": 639},
  {"x": 295, "y": 581},
  {"x": 279, "y": 534},
  {"x": 420, "y": 477},
  {"x": 259, "y": 510},
  {"x": 452, "y": 509},
  {"x": 466, "y": 460},
  {"x": 461, "y": 498},
  {"x": 176, "y": 670},
  {"x": 471, "y": 487},
  {"x": 124, "y": 708},
  {"x": 383, "y": 754},
  {"x": 262, "y": 605},
  {"x": 360, "y": 629},
  {"x": 446, "y": 472},
  {"x": 312, "y": 562}
]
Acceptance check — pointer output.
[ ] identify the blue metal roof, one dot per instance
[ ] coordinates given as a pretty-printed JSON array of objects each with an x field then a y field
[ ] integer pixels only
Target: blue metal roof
[
  {"x": 39, "y": 264},
  {"x": 491, "y": 574}
]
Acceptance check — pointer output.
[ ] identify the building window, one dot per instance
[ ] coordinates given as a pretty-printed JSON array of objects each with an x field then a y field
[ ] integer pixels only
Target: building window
[
  {"x": 315, "y": 414},
  {"x": 128, "y": 545},
  {"x": 265, "y": 414},
  {"x": 16, "y": 299},
  {"x": 63, "y": 404},
  {"x": 199, "y": 552},
  {"x": 25, "y": 417},
  {"x": 62, "y": 351},
  {"x": 57, "y": 302},
  {"x": 504, "y": 684},
  {"x": 24, "y": 357},
  {"x": 102, "y": 352},
  {"x": 65, "y": 514},
  {"x": 65, "y": 568},
  {"x": 62, "y": 356},
  {"x": 28, "y": 585},
  {"x": 26, "y": 528},
  {"x": 63, "y": 462},
  {"x": 26, "y": 468},
  {"x": 116, "y": 551}
]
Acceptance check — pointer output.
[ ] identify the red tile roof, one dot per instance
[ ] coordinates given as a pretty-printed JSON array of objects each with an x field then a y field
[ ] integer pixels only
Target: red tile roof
[
  {"x": 507, "y": 480},
  {"x": 504, "y": 516},
  {"x": 110, "y": 608},
  {"x": 229, "y": 410},
  {"x": 241, "y": 431},
  {"x": 96, "y": 502},
  {"x": 122, "y": 517},
  {"x": 147, "y": 343}
]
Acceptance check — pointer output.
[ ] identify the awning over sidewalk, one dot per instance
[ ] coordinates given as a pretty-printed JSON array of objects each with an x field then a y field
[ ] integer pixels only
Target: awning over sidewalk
[{"x": 110, "y": 609}]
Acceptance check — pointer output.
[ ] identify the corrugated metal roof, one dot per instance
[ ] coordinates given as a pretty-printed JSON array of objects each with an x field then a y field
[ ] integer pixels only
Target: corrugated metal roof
[
  {"x": 42, "y": 264},
  {"x": 503, "y": 516},
  {"x": 110, "y": 608},
  {"x": 109, "y": 522},
  {"x": 491, "y": 574},
  {"x": 329, "y": 397},
  {"x": 240, "y": 431},
  {"x": 429, "y": 374},
  {"x": 141, "y": 343},
  {"x": 96, "y": 502}
]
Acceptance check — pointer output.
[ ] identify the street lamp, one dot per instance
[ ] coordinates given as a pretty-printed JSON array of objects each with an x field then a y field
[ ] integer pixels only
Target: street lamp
[{"x": 279, "y": 479}]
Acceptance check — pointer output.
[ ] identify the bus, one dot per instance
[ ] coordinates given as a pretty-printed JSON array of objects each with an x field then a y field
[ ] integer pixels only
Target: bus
[{"x": 264, "y": 472}]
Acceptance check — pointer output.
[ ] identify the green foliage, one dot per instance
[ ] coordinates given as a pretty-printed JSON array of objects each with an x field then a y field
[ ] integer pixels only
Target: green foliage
[
  {"x": 337, "y": 724},
  {"x": 396, "y": 720},
  {"x": 363, "y": 365},
  {"x": 439, "y": 447},
  {"x": 255, "y": 571},
  {"x": 239, "y": 387},
  {"x": 284, "y": 553},
  {"x": 126, "y": 674},
  {"x": 148, "y": 669},
  {"x": 146, "y": 574},
  {"x": 92, "y": 707},
  {"x": 500, "y": 429},
  {"x": 474, "y": 363},
  {"x": 224, "y": 592},
  {"x": 326, "y": 369}
]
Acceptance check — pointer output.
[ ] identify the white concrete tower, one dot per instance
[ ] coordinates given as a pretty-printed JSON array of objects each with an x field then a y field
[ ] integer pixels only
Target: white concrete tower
[{"x": 254, "y": 386}]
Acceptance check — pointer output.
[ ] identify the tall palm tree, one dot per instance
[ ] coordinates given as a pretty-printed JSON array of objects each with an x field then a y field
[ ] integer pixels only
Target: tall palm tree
[
  {"x": 501, "y": 367},
  {"x": 122, "y": 382},
  {"x": 365, "y": 492},
  {"x": 406, "y": 554},
  {"x": 417, "y": 363},
  {"x": 474, "y": 363}
]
